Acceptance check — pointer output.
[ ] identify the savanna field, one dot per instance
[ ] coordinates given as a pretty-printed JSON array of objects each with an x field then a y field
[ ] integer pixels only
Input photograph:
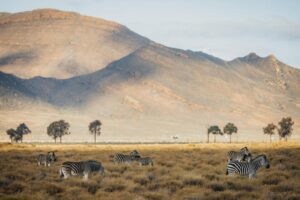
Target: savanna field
[{"x": 180, "y": 171}]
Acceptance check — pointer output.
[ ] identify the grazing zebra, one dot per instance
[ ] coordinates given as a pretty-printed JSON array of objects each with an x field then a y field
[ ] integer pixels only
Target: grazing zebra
[
  {"x": 247, "y": 169},
  {"x": 124, "y": 158},
  {"x": 83, "y": 168},
  {"x": 145, "y": 161},
  {"x": 135, "y": 154},
  {"x": 46, "y": 159},
  {"x": 243, "y": 155}
]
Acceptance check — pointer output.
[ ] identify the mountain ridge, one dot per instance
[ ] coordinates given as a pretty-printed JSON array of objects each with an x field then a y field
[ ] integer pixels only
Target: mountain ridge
[{"x": 143, "y": 88}]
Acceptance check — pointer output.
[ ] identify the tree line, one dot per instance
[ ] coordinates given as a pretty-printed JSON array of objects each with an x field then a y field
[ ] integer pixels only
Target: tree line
[
  {"x": 284, "y": 129},
  {"x": 58, "y": 129}
]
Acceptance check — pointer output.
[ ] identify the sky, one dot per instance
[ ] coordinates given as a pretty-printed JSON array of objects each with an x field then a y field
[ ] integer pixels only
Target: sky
[{"x": 226, "y": 29}]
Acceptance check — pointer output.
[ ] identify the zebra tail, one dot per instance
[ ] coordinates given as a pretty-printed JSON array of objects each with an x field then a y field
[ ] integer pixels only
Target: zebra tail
[{"x": 226, "y": 171}]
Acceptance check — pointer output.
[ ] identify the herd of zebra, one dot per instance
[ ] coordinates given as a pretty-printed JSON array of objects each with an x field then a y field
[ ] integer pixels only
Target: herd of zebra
[
  {"x": 242, "y": 163},
  {"x": 238, "y": 163},
  {"x": 85, "y": 168}
]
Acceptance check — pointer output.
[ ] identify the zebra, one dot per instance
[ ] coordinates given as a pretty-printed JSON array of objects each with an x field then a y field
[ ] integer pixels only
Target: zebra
[
  {"x": 124, "y": 158},
  {"x": 82, "y": 168},
  {"x": 247, "y": 169},
  {"x": 46, "y": 159},
  {"x": 145, "y": 161},
  {"x": 243, "y": 155},
  {"x": 135, "y": 154}
]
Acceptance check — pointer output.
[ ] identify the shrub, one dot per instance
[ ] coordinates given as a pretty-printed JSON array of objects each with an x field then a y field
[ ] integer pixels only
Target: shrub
[
  {"x": 52, "y": 189},
  {"x": 193, "y": 182},
  {"x": 217, "y": 187}
]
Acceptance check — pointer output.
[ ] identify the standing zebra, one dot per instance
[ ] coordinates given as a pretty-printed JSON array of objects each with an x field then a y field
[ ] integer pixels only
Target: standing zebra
[
  {"x": 243, "y": 155},
  {"x": 83, "y": 168},
  {"x": 124, "y": 158},
  {"x": 145, "y": 161},
  {"x": 46, "y": 159},
  {"x": 247, "y": 169}
]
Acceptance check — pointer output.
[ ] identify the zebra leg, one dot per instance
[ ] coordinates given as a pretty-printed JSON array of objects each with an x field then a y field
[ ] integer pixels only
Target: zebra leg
[
  {"x": 86, "y": 176},
  {"x": 252, "y": 175},
  {"x": 61, "y": 174}
]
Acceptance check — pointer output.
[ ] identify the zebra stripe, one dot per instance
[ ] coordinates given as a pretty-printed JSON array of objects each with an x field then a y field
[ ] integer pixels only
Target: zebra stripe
[
  {"x": 145, "y": 161},
  {"x": 243, "y": 155},
  {"x": 247, "y": 169},
  {"x": 83, "y": 168},
  {"x": 46, "y": 159},
  {"x": 124, "y": 158}
]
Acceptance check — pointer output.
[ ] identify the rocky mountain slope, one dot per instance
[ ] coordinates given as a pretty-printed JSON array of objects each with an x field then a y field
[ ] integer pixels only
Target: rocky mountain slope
[{"x": 151, "y": 92}]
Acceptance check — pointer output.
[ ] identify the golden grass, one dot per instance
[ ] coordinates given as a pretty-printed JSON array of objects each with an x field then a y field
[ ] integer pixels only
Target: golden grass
[{"x": 180, "y": 171}]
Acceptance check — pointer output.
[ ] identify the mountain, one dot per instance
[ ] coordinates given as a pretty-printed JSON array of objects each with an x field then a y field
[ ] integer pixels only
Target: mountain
[
  {"x": 154, "y": 93},
  {"x": 52, "y": 43}
]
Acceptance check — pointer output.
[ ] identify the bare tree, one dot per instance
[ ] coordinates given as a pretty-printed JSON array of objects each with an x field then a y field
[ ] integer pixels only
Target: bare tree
[
  {"x": 58, "y": 129},
  {"x": 285, "y": 128},
  {"x": 215, "y": 130},
  {"x": 229, "y": 129},
  {"x": 270, "y": 130},
  {"x": 95, "y": 128}
]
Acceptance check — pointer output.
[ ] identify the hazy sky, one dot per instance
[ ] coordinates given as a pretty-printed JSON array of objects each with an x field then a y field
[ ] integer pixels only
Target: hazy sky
[{"x": 226, "y": 29}]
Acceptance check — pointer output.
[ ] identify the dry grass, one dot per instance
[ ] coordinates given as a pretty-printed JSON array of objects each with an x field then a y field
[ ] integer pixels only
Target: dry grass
[{"x": 192, "y": 172}]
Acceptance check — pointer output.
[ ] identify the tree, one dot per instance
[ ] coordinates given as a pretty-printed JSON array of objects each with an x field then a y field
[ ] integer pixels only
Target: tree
[
  {"x": 215, "y": 130},
  {"x": 229, "y": 129},
  {"x": 270, "y": 130},
  {"x": 208, "y": 135},
  {"x": 12, "y": 134},
  {"x": 57, "y": 129},
  {"x": 17, "y": 135},
  {"x": 95, "y": 128},
  {"x": 285, "y": 127},
  {"x": 22, "y": 129}
]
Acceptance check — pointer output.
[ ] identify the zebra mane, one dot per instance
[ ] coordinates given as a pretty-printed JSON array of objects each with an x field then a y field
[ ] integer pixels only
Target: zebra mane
[
  {"x": 260, "y": 156},
  {"x": 244, "y": 149},
  {"x": 93, "y": 162}
]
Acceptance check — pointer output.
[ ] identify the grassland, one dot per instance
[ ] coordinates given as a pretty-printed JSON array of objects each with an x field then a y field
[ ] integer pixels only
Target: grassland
[{"x": 180, "y": 171}]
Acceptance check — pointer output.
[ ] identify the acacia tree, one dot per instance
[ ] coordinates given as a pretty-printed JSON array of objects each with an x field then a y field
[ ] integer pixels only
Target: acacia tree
[
  {"x": 95, "y": 128},
  {"x": 208, "y": 133},
  {"x": 215, "y": 130},
  {"x": 22, "y": 130},
  {"x": 17, "y": 135},
  {"x": 285, "y": 128},
  {"x": 12, "y": 134},
  {"x": 57, "y": 129},
  {"x": 270, "y": 130},
  {"x": 229, "y": 129}
]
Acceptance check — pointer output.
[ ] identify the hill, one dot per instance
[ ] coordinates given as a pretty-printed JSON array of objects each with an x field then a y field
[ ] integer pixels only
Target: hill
[
  {"x": 53, "y": 43},
  {"x": 156, "y": 92}
]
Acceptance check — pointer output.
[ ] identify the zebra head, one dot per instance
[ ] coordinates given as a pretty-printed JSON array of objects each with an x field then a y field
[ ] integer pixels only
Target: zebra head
[
  {"x": 247, "y": 158},
  {"x": 245, "y": 151},
  {"x": 51, "y": 156},
  {"x": 263, "y": 160},
  {"x": 135, "y": 154}
]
